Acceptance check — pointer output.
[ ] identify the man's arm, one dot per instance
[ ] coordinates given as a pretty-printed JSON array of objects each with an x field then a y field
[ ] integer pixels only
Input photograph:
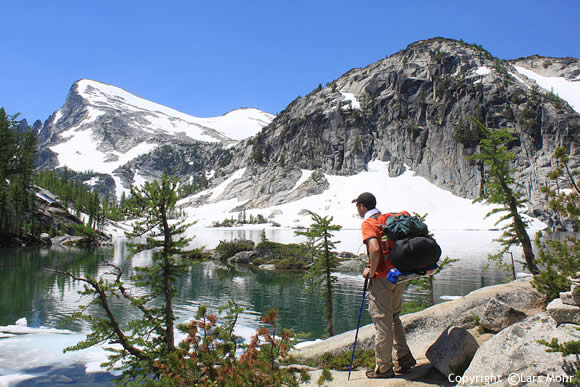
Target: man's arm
[{"x": 375, "y": 255}]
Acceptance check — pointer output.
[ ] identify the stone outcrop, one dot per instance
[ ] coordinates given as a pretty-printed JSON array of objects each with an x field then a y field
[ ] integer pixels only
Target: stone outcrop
[
  {"x": 516, "y": 351},
  {"x": 244, "y": 257},
  {"x": 566, "y": 309},
  {"x": 452, "y": 352},
  {"x": 564, "y": 313},
  {"x": 511, "y": 357},
  {"x": 424, "y": 327},
  {"x": 497, "y": 316}
]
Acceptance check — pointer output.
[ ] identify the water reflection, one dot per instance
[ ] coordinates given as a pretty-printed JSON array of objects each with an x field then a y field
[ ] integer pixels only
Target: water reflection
[{"x": 46, "y": 298}]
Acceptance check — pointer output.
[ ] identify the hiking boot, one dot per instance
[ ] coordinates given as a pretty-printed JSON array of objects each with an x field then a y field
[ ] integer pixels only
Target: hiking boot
[
  {"x": 372, "y": 374},
  {"x": 405, "y": 363}
]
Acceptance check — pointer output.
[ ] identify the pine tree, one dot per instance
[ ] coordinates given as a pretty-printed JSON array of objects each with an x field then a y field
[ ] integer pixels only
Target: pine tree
[
  {"x": 559, "y": 259},
  {"x": 150, "y": 338},
  {"x": 18, "y": 153},
  {"x": 501, "y": 188},
  {"x": 321, "y": 247}
]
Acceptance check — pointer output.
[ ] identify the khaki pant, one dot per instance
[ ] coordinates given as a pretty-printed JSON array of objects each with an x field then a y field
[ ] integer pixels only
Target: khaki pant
[{"x": 385, "y": 300}]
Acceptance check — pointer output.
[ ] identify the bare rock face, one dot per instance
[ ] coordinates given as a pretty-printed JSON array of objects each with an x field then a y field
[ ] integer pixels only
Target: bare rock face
[
  {"x": 261, "y": 190},
  {"x": 497, "y": 316},
  {"x": 413, "y": 109},
  {"x": 452, "y": 352}
]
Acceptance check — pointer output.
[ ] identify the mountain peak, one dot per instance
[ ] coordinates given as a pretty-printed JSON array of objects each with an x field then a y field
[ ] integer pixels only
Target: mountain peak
[{"x": 102, "y": 127}]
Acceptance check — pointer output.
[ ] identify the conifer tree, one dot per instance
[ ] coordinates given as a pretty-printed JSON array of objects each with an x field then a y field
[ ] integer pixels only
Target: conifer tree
[
  {"x": 18, "y": 153},
  {"x": 559, "y": 259},
  {"x": 501, "y": 188},
  {"x": 151, "y": 337},
  {"x": 321, "y": 247}
]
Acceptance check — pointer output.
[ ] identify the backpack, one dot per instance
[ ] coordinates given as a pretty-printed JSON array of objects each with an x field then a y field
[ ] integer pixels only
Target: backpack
[
  {"x": 411, "y": 247},
  {"x": 402, "y": 225},
  {"x": 415, "y": 253}
]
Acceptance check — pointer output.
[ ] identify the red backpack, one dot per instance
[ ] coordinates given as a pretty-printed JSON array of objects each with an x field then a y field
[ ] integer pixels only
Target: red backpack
[{"x": 407, "y": 243}]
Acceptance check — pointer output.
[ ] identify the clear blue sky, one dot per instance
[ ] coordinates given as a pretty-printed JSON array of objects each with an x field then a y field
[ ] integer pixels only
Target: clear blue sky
[{"x": 205, "y": 58}]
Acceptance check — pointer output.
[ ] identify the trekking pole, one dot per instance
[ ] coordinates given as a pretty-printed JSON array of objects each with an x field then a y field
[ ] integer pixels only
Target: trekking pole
[{"x": 358, "y": 325}]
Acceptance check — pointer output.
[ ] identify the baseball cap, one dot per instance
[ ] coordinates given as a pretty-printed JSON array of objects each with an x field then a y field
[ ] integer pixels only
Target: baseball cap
[{"x": 367, "y": 199}]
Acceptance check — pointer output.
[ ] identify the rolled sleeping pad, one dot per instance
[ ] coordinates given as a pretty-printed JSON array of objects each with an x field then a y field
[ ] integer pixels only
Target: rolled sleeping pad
[{"x": 414, "y": 254}]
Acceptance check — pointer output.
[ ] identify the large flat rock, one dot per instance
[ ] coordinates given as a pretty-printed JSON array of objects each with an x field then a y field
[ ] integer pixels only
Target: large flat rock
[
  {"x": 515, "y": 354},
  {"x": 424, "y": 327}
]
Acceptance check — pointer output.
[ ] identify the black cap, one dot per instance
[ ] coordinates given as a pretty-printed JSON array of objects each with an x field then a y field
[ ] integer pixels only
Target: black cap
[{"x": 367, "y": 199}]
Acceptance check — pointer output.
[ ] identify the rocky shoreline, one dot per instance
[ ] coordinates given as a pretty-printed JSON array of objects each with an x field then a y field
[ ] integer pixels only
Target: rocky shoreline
[{"x": 489, "y": 336}]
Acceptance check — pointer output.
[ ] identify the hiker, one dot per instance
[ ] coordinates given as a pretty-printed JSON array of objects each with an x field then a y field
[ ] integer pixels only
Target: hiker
[{"x": 385, "y": 298}]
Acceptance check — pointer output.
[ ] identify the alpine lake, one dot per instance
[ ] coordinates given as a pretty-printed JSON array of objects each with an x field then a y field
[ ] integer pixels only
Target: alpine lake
[{"x": 46, "y": 298}]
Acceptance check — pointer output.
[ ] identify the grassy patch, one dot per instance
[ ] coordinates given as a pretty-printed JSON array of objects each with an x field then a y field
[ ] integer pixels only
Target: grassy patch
[
  {"x": 196, "y": 255},
  {"x": 283, "y": 256}
]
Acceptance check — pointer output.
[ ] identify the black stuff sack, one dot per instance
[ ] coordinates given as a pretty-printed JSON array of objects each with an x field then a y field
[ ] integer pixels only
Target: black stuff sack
[{"x": 415, "y": 254}]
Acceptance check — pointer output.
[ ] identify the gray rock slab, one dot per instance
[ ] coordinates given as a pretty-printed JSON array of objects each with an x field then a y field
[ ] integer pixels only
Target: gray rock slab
[
  {"x": 424, "y": 327},
  {"x": 452, "y": 352},
  {"x": 515, "y": 351},
  {"x": 564, "y": 313},
  {"x": 570, "y": 298},
  {"x": 497, "y": 316},
  {"x": 242, "y": 257}
]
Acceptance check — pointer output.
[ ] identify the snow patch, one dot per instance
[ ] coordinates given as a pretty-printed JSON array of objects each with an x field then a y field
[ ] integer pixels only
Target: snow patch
[
  {"x": 351, "y": 98},
  {"x": 565, "y": 89},
  {"x": 92, "y": 181},
  {"x": 305, "y": 176},
  {"x": 519, "y": 79},
  {"x": 139, "y": 180},
  {"x": 216, "y": 192},
  {"x": 482, "y": 70},
  {"x": 20, "y": 328},
  {"x": 209, "y": 174},
  {"x": 80, "y": 153},
  {"x": 57, "y": 116},
  {"x": 405, "y": 192}
]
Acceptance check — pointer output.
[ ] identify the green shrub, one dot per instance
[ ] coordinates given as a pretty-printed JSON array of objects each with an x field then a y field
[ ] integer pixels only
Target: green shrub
[
  {"x": 227, "y": 249},
  {"x": 283, "y": 256}
]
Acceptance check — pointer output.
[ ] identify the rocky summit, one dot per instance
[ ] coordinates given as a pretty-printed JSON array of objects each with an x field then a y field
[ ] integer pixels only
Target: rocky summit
[
  {"x": 116, "y": 134},
  {"x": 414, "y": 110}
]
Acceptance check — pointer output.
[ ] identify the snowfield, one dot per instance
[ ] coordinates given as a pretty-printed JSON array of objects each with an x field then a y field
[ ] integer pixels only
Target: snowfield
[
  {"x": 81, "y": 149},
  {"x": 406, "y": 192},
  {"x": 565, "y": 89}
]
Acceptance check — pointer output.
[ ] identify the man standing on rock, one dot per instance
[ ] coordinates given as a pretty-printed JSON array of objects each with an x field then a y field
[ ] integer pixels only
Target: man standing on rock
[{"x": 385, "y": 298}]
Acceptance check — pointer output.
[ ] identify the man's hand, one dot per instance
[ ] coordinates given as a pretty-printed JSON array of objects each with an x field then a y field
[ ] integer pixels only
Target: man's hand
[{"x": 367, "y": 272}]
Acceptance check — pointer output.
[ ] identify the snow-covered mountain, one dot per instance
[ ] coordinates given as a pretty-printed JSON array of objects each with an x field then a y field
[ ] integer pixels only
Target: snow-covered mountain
[
  {"x": 103, "y": 128},
  {"x": 411, "y": 110}
]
